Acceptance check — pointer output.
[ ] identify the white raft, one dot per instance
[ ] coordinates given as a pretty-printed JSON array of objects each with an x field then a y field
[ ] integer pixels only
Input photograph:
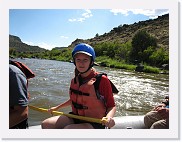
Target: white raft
[{"x": 123, "y": 122}]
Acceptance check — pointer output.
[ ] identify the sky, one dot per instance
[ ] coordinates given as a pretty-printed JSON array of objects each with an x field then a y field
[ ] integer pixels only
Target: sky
[{"x": 49, "y": 28}]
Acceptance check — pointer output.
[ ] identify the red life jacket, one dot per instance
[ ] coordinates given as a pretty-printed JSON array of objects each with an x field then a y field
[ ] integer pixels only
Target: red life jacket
[{"x": 84, "y": 99}]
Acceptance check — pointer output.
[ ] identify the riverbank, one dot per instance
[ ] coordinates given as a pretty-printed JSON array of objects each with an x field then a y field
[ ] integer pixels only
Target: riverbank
[{"x": 106, "y": 62}]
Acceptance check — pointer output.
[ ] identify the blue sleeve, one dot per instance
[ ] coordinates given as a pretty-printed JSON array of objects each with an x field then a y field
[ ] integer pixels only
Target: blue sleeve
[{"x": 17, "y": 88}]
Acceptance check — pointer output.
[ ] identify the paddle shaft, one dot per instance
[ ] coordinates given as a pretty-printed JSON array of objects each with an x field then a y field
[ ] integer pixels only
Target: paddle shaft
[{"x": 95, "y": 120}]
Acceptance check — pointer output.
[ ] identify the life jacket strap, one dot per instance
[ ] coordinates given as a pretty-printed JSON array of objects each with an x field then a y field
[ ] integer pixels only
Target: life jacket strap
[
  {"x": 79, "y": 106},
  {"x": 79, "y": 92},
  {"x": 97, "y": 82}
]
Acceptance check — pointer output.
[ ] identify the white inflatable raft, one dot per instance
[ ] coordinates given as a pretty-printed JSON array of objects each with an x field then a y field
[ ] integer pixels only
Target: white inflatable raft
[{"x": 123, "y": 122}]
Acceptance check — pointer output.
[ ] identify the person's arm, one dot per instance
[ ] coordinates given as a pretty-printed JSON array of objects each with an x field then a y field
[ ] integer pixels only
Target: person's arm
[
  {"x": 18, "y": 101},
  {"x": 111, "y": 111},
  {"x": 105, "y": 89},
  {"x": 17, "y": 115},
  {"x": 65, "y": 104},
  {"x": 110, "y": 121}
]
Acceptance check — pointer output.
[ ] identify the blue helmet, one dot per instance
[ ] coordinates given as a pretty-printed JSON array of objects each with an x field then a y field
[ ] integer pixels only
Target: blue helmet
[{"x": 85, "y": 49}]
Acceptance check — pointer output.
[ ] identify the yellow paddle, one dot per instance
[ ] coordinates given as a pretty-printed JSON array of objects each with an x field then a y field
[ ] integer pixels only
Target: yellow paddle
[{"x": 95, "y": 120}]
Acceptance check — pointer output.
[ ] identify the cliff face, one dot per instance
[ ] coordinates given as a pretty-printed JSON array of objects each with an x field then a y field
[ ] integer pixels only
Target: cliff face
[
  {"x": 13, "y": 38},
  {"x": 16, "y": 44}
]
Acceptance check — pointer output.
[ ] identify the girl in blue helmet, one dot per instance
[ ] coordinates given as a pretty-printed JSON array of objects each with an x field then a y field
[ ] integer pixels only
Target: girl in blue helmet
[{"x": 85, "y": 99}]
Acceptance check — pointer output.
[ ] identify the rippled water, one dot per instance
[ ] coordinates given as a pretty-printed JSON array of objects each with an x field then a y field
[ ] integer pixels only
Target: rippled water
[{"x": 138, "y": 92}]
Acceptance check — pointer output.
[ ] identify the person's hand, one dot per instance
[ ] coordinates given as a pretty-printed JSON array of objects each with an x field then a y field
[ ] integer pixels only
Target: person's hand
[
  {"x": 159, "y": 107},
  {"x": 50, "y": 110},
  {"x": 108, "y": 122}
]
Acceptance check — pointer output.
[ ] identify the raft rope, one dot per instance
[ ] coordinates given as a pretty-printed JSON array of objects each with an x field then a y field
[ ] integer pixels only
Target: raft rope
[{"x": 89, "y": 119}]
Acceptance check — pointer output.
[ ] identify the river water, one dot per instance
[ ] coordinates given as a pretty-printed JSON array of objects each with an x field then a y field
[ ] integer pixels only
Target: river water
[{"x": 138, "y": 92}]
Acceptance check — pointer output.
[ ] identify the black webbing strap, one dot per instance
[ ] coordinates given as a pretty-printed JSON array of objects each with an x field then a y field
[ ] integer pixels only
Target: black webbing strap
[
  {"x": 79, "y": 106},
  {"x": 79, "y": 92},
  {"x": 97, "y": 82}
]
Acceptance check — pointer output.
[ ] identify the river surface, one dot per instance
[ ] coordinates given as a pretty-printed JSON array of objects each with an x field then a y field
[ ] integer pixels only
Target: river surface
[{"x": 138, "y": 92}]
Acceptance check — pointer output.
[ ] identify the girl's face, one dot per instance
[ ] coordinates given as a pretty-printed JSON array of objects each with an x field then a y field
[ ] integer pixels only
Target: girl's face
[{"x": 82, "y": 62}]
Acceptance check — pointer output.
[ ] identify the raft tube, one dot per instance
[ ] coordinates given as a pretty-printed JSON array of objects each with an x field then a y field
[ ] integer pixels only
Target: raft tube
[
  {"x": 122, "y": 122},
  {"x": 129, "y": 122}
]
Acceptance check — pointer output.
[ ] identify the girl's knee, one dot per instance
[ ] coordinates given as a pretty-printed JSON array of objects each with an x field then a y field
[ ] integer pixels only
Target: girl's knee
[
  {"x": 44, "y": 124},
  {"x": 47, "y": 124}
]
